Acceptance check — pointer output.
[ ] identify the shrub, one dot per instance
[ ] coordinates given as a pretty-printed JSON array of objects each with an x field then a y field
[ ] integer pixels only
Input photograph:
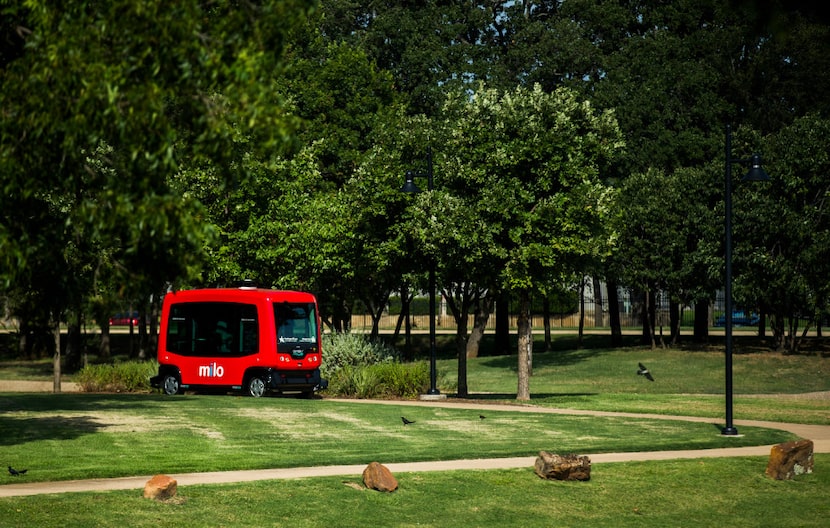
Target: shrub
[
  {"x": 360, "y": 368},
  {"x": 345, "y": 349},
  {"x": 382, "y": 380},
  {"x": 130, "y": 376},
  {"x": 403, "y": 380}
]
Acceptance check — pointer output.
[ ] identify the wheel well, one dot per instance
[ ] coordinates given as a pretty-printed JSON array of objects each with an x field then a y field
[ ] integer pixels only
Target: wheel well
[
  {"x": 257, "y": 372},
  {"x": 170, "y": 370}
]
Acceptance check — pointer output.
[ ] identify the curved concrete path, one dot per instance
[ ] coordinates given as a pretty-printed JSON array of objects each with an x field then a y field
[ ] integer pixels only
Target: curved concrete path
[{"x": 819, "y": 434}]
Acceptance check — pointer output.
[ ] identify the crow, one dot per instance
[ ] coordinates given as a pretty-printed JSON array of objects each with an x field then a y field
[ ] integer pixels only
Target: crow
[
  {"x": 406, "y": 422},
  {"x": 481, "y": 417},
  {"x": 643, "y": 371},
  {"x": 15, "y": 473}
]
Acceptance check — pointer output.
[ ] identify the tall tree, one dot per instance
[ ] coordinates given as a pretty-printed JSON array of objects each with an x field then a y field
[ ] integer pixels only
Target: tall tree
[
  {"x": 140, "y": 88},
  {"x": 669, "y": 236},
  {"x": 530, "y": 162},
  {"x": 783, "y": 266}
]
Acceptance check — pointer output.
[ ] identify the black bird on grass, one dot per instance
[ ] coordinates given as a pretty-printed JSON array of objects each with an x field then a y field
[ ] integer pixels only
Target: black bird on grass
[
  {"x": 406, "y": 422},
  {"x": 481, "y": 417},
  {"x": 15, "y": 473},
  {"x": 643, "y": 371}
]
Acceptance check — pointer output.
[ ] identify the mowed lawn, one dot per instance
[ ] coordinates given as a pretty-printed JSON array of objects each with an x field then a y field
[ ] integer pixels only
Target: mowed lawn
[
  {"x": 690, "y": 382},
  {"x": 694, "y": 493},
  {"x": 72, "y": 436}
]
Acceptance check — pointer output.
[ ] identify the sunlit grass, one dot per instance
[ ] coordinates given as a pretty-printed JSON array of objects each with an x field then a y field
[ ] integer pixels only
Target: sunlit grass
[
  {"x": 84, "y": 435},
  {"x": 704, "y": 492},
  {"x": 686, "y": 382},
  {"x": 93, "y": 435}
]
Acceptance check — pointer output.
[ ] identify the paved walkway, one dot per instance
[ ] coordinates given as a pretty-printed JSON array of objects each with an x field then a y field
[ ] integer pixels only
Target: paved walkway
[{"x": 819, "y": 434}]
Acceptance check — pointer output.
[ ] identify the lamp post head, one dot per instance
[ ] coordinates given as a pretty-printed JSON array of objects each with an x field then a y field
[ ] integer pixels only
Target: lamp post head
[
  {"x": 409, "y": 185},
  {"x": 756, "y": 172}
]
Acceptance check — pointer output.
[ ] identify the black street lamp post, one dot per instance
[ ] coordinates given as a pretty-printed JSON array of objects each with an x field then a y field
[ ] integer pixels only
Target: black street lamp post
[
  {"x": 755, "y": 173},
  {"x": 410, "y": 187}
]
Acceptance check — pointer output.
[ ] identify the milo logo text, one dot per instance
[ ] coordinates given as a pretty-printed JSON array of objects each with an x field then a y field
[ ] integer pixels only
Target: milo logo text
[{"x": 211, "y": 371}]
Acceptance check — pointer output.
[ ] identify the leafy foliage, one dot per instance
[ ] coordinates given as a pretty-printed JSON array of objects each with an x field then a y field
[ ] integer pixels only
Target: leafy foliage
[
  {"x": 130, "y": 376},
  {"x": 342, "y": 350},
  {"x": 383, "y": 380},
  {"x": 102, "y": 105},
  {"x": 784, "y": 266},
  {"x": 358, "y": 367}
]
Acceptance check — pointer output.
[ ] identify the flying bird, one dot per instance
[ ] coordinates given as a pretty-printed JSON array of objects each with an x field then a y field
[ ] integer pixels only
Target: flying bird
[
  {"x": 643, "y": 371},
  {"x": 406, "y": 422},
  {"x": 15, "y": 473}
]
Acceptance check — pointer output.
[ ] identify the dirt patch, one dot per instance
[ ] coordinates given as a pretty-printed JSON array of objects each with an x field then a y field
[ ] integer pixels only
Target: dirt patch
[{"x": 36, "y": 386}]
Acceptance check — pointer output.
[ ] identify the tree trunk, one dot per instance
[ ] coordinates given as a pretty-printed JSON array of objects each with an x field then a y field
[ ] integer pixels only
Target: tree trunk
[
  {"x": 599, "y": 320},
  {"x": 155, "y": 312},
  {"x": 701, "y": 332},
  {"x": 474, "y": 341},
  {"x": 143, "y": 341},
  {"x": 652, "y": 317},
  {"x": 56, "y": 359},
  {"x": 461, "y": 349},
  {"x": 581, "y": 313},
  {"x": 614, "y": 314},
  {"x": 104, "y": 349},
  {"x": 525, "y": 342},
  {"x": 133, "y": 343},
  {"x": 762, "y": 324},
  {"x": 649, "y": 319},
  {"x": 642, "y": 310},
  {"x": 73, "y": 352},
  {"x": 482, "y": 315},
  {"x": 674, "y": 321}
]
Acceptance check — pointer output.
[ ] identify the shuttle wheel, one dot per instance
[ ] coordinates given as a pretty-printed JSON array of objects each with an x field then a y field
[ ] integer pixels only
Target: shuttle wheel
[
  {"x": 170, "y": 385},
  {"x": 255, "y": 386}
]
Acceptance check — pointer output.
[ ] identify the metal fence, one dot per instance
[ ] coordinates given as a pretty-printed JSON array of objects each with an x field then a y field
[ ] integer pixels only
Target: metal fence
[{"x": 596, "y": 316}]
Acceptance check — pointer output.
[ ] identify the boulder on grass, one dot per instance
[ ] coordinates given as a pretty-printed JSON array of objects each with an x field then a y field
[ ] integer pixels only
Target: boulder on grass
[
  {"x": 376, "y": 476},
  {"x": 563, "y": 467},
  {"x": 160, "y": 487},
  {"x": 790, "y": 459}
]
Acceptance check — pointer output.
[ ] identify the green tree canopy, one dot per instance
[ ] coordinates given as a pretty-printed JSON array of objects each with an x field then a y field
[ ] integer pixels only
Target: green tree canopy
[
  {"x": 102, "y": 103},
  {"x": 529, "y": 163}
]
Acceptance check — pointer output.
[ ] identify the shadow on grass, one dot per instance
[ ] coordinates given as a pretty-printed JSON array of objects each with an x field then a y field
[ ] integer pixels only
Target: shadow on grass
[
  {"x": 547, "y": 359},
  {"x": 502, "y": 396},
  {"x": 21, "y": 429},
  {"x": 14, "y": 431},
  {"x": 48, "y": 402}
]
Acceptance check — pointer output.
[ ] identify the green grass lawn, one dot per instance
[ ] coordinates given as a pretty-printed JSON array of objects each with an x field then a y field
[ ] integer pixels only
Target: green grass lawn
[
  {"x": 71, "y": 436},
  {"x": 74, "y": 436},
  {"x": 687, "y": 382},
  {"x": 704, "y": 492}
]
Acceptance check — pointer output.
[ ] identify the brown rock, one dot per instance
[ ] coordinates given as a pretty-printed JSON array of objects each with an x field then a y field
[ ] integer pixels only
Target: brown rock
[
  {"x": 160, "y": 487},
  {"x": 790, "y": 459},
  {"x": 563, "y": 467},
  {"x": 378, "y": 477}
]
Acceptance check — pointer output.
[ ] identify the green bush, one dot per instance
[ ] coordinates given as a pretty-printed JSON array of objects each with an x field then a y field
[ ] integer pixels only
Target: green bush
[
  {"x": 382, "y": 380},
  {"x": 131, "y": 376},
  {"x": 403, "y": 380},
  {"x": 342, "y": 350},
  {"x": 359, "y": 368}
]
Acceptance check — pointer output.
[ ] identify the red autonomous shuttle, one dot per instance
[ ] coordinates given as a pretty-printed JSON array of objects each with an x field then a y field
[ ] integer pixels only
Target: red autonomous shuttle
[{"x": 249, "y": 339}]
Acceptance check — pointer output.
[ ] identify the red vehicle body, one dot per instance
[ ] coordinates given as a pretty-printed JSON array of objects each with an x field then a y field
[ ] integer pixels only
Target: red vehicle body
[{"x": 250, "y": 339}]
